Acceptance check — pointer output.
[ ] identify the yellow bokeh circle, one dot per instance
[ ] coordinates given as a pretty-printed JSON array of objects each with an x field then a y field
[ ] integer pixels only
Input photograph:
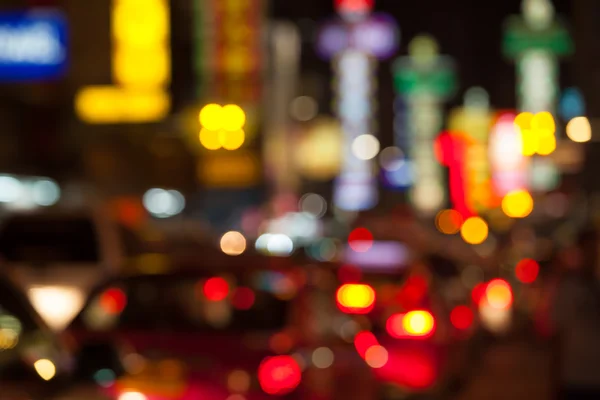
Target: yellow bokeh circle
[
  {"x": 517, "y": 204},
  {"x": 211, "y": 117},
  {"x": 210, "y": 139},
  {"x": 474, "y": 230},
  {"x": 233, "y": 118},
  {"x": 232, "y": 140}
]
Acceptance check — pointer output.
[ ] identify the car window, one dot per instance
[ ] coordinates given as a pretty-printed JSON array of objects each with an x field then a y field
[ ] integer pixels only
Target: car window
[
  {"x": 41, "y": 239},
  {"x": 199, "y": 304}
]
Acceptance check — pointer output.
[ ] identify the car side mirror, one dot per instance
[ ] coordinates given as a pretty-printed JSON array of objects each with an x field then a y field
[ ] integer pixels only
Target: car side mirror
[{"x": 97, "y": 359}]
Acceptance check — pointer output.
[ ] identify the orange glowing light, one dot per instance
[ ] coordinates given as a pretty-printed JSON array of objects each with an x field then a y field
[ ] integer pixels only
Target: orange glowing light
[
  {"x": 449, "y": 221},
  {"x": 474, "y": 230},
  {"x": 499, "y": 294},
  {"x": 113, "y": 301},
  {"x": 355, "y": 298},
  {"x": 376, "y": 356},
  {"x": 527, "y": 270}
]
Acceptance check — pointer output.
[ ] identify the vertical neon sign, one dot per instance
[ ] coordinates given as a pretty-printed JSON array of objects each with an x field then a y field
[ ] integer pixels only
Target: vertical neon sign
[
  {"x": 475, "y": 120},
  {"x": 355, "y": 43},
  {"x": 424, "y": 79},
  {"x": 509, "y": 165}
]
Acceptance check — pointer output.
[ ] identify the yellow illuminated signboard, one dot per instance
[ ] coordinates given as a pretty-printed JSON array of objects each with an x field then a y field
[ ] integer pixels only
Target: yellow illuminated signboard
[{"x": 141, "y": 67}]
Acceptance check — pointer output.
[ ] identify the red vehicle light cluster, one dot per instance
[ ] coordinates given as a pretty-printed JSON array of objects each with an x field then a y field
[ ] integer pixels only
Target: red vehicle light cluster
[
  {"x": 355, "y": 298},
  {"x": 279, "y": 375},
  {"x": 414, "y": 324}
]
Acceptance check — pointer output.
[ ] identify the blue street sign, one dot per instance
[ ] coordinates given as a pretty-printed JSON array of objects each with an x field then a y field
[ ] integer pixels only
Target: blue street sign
[{"x": 33, "y": 46}]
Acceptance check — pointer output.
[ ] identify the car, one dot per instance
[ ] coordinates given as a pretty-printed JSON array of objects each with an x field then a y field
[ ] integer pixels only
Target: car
[
  {"x": 413, "y": 322},
  {"x": 56, "y": 256},
  {"x": 211, "y": 333},
  {"x": 35, "y": 363}
]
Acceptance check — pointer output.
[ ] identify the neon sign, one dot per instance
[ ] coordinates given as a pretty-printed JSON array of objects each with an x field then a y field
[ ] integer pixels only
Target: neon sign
[
  {"x": 424, "y": 80},
  {"x": 509, "y": 165},
  {"x": 355, "y": 43},
  {"x": 475, "y": 120},
  {"x": 33, "y": 46},
  {"x": 141, "y": 35}
]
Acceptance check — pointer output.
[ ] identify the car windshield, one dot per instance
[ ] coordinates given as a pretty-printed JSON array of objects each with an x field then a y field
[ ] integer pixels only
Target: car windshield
[
  {"x": 44, "y": 239},
  {"x": 190, "y": 303}
]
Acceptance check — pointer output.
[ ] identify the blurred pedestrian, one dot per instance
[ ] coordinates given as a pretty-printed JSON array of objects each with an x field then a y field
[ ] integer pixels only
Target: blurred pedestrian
[{"x": 576, "y": 318}]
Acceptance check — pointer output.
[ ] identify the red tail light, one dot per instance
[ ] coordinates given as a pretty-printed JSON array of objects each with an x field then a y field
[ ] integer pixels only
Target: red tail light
[
  {"x": 363, "y": 341},
  {"x": 113, "y": 301},
  {"x": 279, "y": 375},
  {"x": 462, "y": 317},
  {"x": 414, "y": 324}
]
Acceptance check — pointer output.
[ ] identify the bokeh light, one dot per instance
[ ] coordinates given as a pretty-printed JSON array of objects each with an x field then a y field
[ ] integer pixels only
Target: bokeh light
[
  {"x": 163, "y": 203},
  {"x": 376, "y": 356},
  {"x": 10, "y": 189},
  {"x": 234, "y": 118},
  {"x": 304, "y": 108},
  {"x": 474, "y": 230},
  {"x": 363, "y": 341},
  {"x": 216, "y": 289},
  {"x": 45, "y": 369},
  {"x": 355, "y": 298},
  {"x": 45, "y": 192},
  {"x": 527, "y": 270},
  {"x": 360, "y": 240},
  {"x": 323, "y": 357},
  {"x": 210, "y": 139},
  {"x": 113, "y": 301},
  {"x": 498, "y": 294},
  {"x": 462, "y": 317},
  {"x": 233, "y": 243},
  {"x": 517, "y": 204},
  {"x": 391, "y": 159},
  {"x": 579, "y": 130},
  {"x": 365, "y": 147},
  {"x": 313, "y": 204},
  {"x": 232, "y": 139},
  {"x": 279, "y": 375},
  {"x": 243, "y": 298},
  {"x": 418, "y": 323},
  {"x": 211, "y": 117},
  {"x": 449, "y": 222}
]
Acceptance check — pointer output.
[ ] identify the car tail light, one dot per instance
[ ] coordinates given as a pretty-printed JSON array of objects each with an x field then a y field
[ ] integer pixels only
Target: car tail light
[
  {"x": 462, "y": 317},
  {"x": 363, "y": 341},
  {"x": 355, "y": 298},
  {"x": 414, "y": 324},
  {"x": 279, "y": 375}
]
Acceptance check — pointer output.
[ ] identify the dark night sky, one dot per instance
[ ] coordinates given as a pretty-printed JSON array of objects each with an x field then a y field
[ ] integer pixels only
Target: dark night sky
[{"x": 469, "y": 30}]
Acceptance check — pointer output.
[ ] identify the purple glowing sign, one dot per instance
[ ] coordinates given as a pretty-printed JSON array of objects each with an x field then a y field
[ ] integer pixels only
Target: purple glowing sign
[
  {"x": 381, "y": 256},
  {"x": 378, "y": 36}
]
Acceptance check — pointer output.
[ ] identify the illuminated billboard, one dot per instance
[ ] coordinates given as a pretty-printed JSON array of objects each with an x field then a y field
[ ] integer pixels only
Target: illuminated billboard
[{"x": 33, "y": 46}]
